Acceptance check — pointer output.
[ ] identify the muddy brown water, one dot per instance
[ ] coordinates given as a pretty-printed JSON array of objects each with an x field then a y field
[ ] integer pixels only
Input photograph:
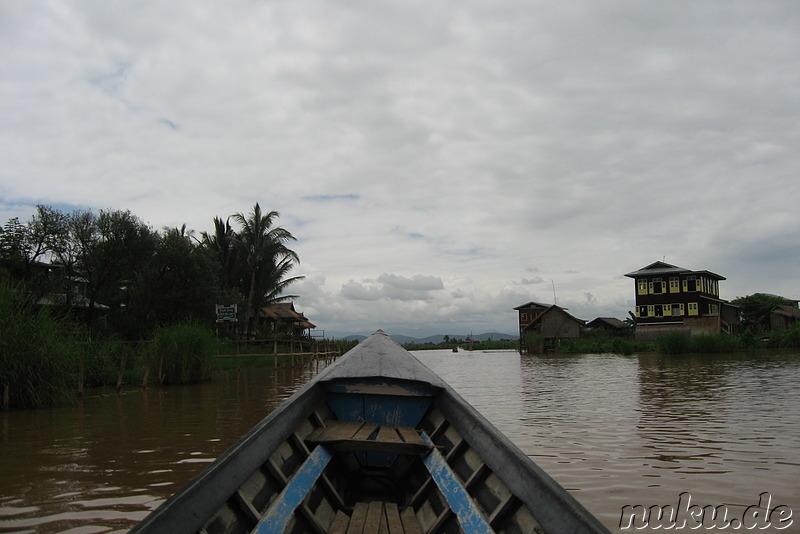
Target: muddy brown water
[{"x": 614, "y": 430}]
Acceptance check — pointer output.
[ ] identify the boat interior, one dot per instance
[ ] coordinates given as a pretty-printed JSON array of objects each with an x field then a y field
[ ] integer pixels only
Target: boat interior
[{"x": 378, "y": 456}]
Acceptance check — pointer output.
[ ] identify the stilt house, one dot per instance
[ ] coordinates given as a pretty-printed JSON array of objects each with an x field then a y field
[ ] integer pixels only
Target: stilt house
[{"x": 674, "y": 299}]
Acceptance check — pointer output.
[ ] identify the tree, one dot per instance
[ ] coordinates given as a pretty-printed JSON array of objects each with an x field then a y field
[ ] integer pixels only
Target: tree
[
  {"x": 177, "y": 285},
  {"x": 755, "y": 309},
  {"x": 23, "y": 246},
  {"x": 221, "y": 247},
  {"x": 112, "y": 248},
  {"x": 14, "y": 251},
  {"x": 266, "y": 256}
]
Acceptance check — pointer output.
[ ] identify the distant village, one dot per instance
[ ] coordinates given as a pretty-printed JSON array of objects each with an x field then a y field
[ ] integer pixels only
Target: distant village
[{"x": 669, "y": 299}]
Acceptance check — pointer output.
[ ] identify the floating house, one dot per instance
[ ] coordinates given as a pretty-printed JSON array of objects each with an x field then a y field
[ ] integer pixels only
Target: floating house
[
  {"x": 674, "y": 299},
  {"x": 783, "y": 317},
  {"x": 549, "y": 321},
  {"x": 610, "y": 325}
]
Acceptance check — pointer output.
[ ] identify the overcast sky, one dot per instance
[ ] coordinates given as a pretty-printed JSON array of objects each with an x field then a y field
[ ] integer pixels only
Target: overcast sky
[{"x": 439, "y": 162}]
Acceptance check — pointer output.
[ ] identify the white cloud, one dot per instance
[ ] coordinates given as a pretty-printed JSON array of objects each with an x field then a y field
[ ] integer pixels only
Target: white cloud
[{"x": 501, "y": 150}]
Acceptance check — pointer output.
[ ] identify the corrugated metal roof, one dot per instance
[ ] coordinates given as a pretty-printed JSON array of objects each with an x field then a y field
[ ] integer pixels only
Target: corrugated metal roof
[
  {"x": 787, "y": 311},
  {"x": 612, "y": 321},
  {"x": 660, "y": 267}
]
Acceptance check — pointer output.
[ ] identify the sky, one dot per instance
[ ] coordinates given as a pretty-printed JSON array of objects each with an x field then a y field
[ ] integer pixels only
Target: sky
[{"x": 439, "y": 163}]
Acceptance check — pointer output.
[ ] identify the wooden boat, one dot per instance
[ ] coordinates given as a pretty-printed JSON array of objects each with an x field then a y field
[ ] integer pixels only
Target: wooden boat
[{"x": 376, "y": 443}]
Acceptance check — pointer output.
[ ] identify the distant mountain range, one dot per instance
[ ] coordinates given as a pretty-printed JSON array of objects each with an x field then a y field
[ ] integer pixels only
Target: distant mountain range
[{"x": 405, "y": 340}]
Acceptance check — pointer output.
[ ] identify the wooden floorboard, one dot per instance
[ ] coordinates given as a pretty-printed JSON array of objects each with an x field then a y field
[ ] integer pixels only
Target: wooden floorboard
[
  {"x": 393, "y": 523},
  {"x": 358, "y": 518},
  {"x": 373, "y": 520},
  {"x": 340, "y": 523},
  {"x": 376, "y": 518}
]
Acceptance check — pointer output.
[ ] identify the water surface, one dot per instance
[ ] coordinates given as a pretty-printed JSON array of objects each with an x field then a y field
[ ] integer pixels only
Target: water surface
[
  {"x": 625, "y": 430},
  {"x": 614, "y": 430}
]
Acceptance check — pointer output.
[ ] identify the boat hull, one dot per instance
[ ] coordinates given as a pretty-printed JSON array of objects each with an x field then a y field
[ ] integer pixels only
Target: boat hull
[{"x": 376, "y": 443}]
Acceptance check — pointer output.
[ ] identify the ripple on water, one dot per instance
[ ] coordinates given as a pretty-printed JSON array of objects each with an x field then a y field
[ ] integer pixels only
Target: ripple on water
[
  {"x": 619, "y": 430},
  {"x": 614, "y": 430}
]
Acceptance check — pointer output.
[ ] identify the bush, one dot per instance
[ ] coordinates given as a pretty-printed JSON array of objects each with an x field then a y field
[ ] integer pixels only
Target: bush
[
  {"x": 785, "y": 338},
  {"x": 673, "y": 343},
  {"x": 622, "y": 345},
  {"x": 109, "y": 362},
  {"x": 600, "y": 342},
  {"x": 534, "y": 342},
  {"x": 676, "y": 343},
  {"x": 38, "y": 354},
  {"x": 183, "y": 353},
  {"x": 717, "y": 343}
]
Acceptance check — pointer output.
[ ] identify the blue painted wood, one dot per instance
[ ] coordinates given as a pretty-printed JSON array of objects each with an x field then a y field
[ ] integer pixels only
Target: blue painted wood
[
  {"x": 383, "y": 410},
  {"x": 382, "y": 386},
  {"x": 347, "y": 407},
  {"x": 469, "y": 517},
  {"x": 282, "y": 508}
]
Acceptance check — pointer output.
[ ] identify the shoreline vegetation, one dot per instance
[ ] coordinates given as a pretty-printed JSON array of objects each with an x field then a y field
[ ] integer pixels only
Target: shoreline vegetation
[
  {"x": 47, "y": 360},
  {"x": 103, "y": 300}
]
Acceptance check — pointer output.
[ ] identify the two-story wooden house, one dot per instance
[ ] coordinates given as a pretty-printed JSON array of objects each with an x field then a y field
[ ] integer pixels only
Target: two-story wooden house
[
  {"x": 671, "y": 298},
  {"x": 551, "y": 322}
]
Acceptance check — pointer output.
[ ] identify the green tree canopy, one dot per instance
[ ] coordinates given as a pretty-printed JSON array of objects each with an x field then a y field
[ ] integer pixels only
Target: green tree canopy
[
  {"x": 267, "y": 258},
  {"x": 118, "y": 275},
  {"x": 755, "y": 309}
]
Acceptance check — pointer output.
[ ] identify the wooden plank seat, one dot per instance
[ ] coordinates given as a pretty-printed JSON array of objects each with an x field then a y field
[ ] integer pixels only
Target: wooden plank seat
[
  {"x": 376, "y": 518},
  {"x": 369, "y": 437}
]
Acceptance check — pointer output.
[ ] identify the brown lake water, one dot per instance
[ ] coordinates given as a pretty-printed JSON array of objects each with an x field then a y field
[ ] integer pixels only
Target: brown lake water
[{"x": 614, "y": 430}]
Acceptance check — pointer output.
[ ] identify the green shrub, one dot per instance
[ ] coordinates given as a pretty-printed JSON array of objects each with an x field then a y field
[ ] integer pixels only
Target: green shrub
[
  {"x": 600, "y": 342},
  {"x": 673, "y": 343},
  {"x": 788, "y": 338},
  {"x": 106, "y": 360},
  {"x": 715, "y": 343},
  {"x": 38, "y": 354},
  {"x": 183, "y": 353},
  {"x": 676, "y": 343},
  {"x": 534, "y": 342},
  {"x": 622, "y": 345}
]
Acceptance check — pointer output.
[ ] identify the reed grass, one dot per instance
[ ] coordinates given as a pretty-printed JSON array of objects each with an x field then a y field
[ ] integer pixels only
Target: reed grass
[
  {"x": 38, "y": 354},
  {"x": 111, "y": 362},
  {"x": 677, "y": 343},
  {"x": 183, "y": 353},
  {"x": 789, "y": 338},
  {"x": 602, "y": 343},
  {"x": 534, "y": 342}
]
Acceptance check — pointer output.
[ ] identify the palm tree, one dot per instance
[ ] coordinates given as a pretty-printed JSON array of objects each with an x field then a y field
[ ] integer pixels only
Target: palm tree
[
  {"x": 221, "y": 246},
  {"x": 266, "y": 256}
]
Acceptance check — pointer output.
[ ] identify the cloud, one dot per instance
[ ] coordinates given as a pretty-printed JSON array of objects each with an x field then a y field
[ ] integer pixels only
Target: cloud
[
  {"x": 326, "y": 198},
  {"x": 393, "y": 287},
  {"x": 357, "y": 291},
  {"x": 499, "y": 149}
]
